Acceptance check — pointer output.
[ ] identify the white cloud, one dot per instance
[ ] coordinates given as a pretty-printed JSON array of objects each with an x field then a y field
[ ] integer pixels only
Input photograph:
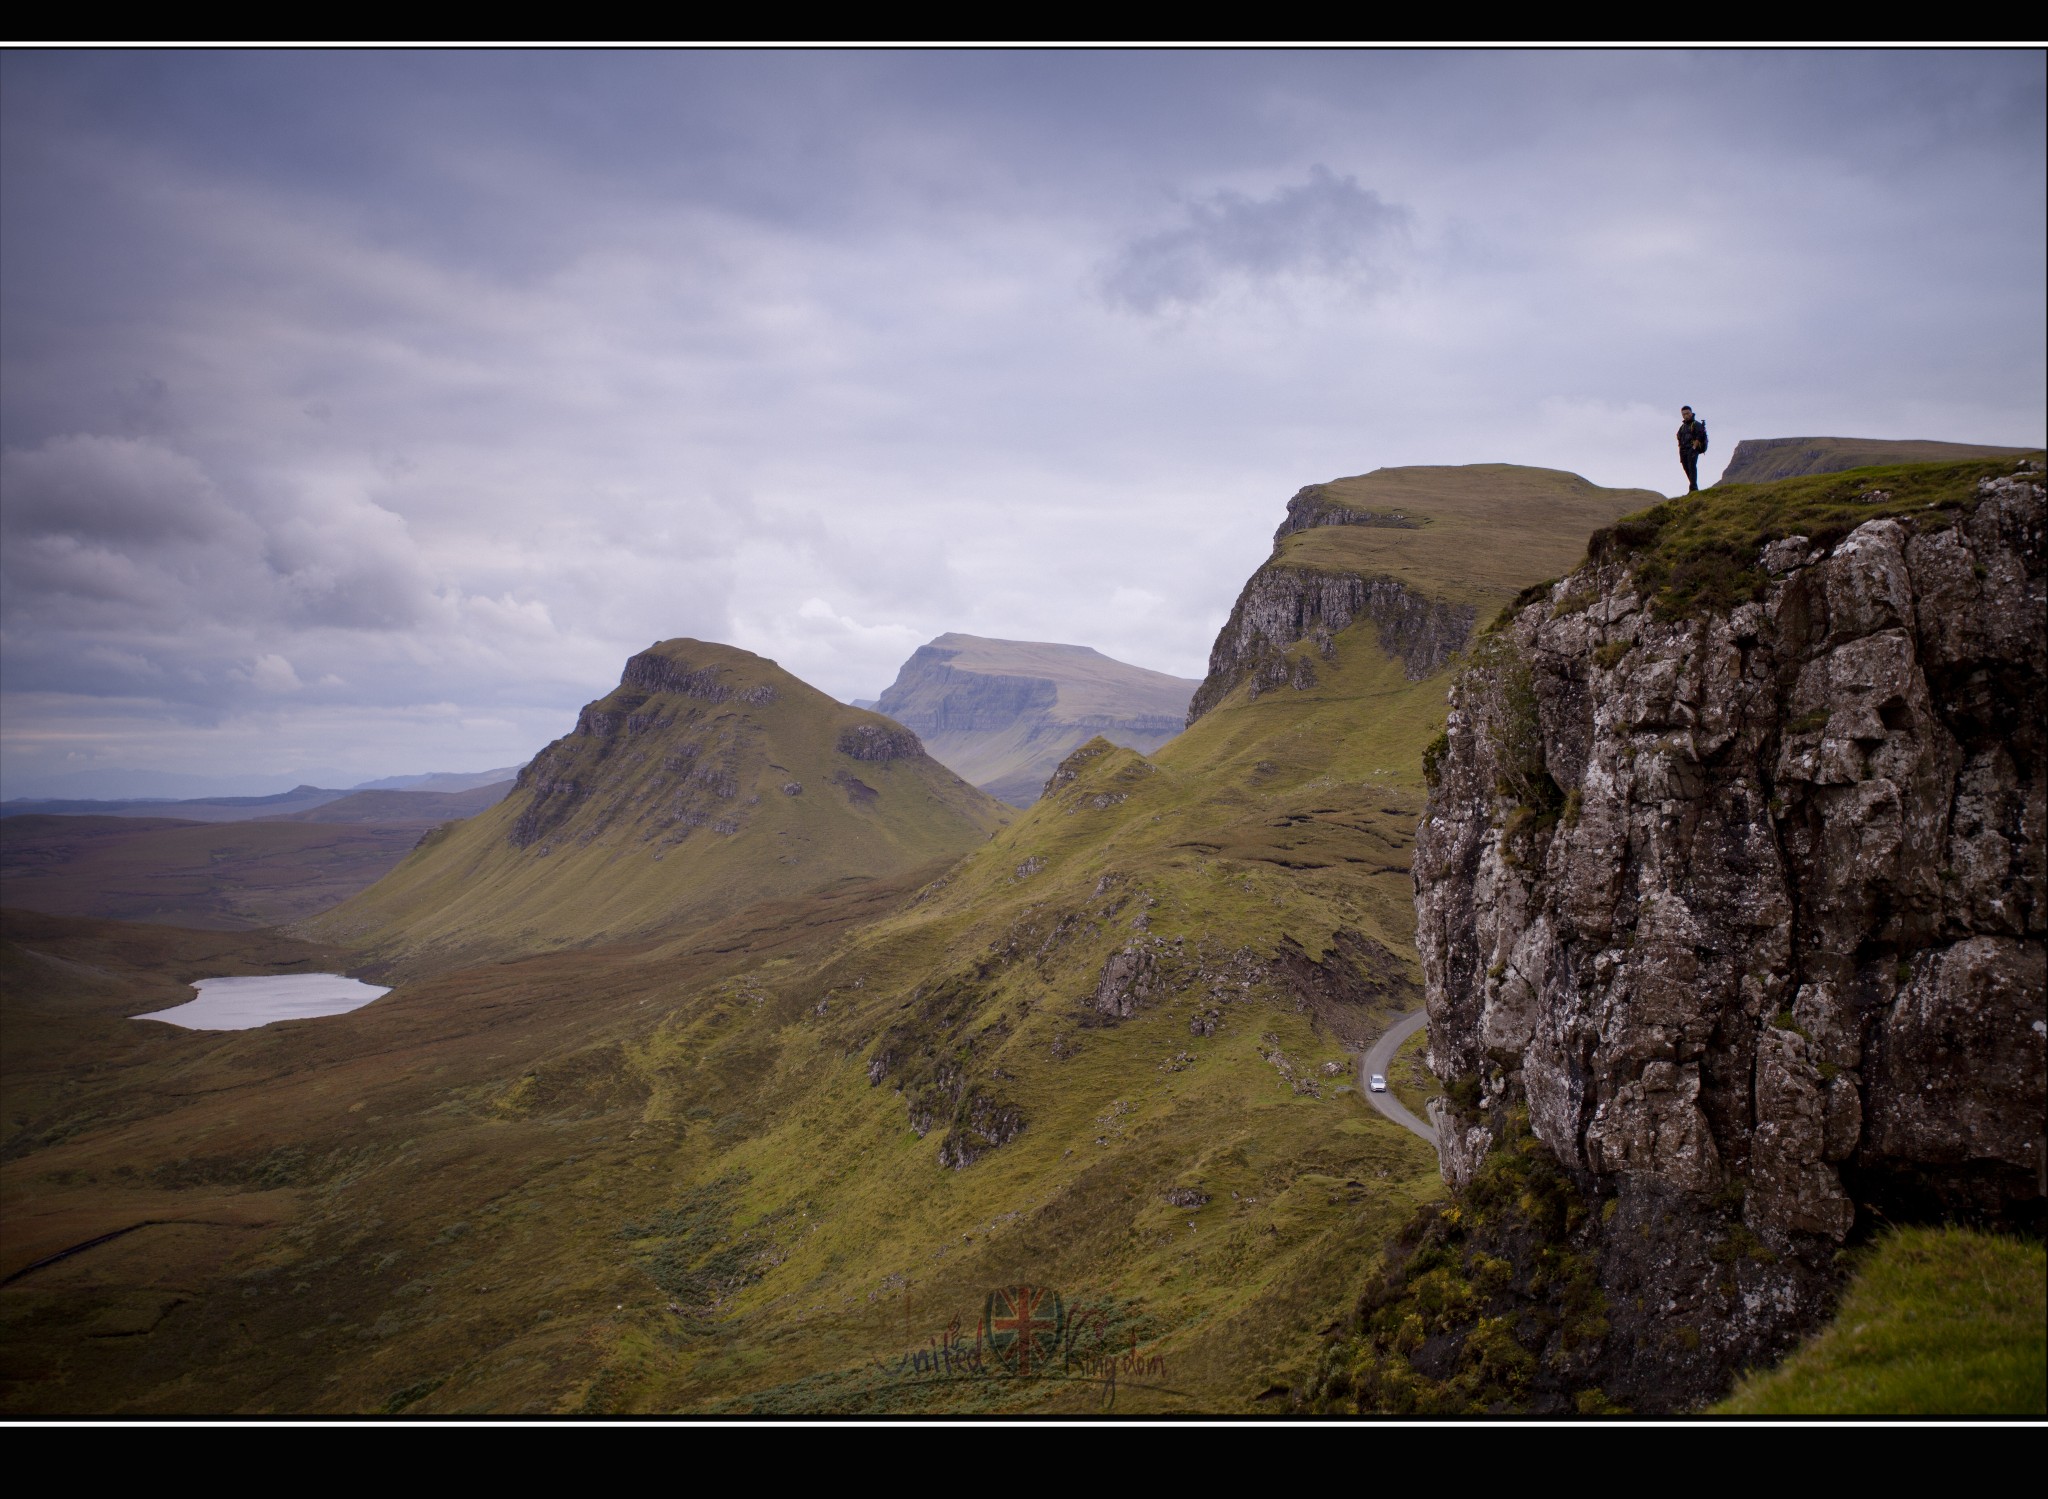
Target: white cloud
[
  {"x": 1327, "y": 227},
  {"x": 272, "y": 673}
]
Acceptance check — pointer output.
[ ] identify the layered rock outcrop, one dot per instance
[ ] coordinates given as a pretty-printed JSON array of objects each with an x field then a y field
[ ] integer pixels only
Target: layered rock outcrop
[
  {"x": 1313, "y": 505},
  {"x": 1282, "y": 605},
  {"x": 1746, "y": 905}
]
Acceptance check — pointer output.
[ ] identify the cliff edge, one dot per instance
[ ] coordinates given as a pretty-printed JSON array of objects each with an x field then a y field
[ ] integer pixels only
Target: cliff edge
[{"x": 1730, "y": 890}]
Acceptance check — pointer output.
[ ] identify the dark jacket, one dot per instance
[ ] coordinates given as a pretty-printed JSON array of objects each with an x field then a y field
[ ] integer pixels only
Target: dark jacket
[{"x": 1694, "y": 431}]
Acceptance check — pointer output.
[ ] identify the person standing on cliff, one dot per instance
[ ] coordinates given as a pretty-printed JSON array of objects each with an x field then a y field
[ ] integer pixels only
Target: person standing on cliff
[{"x": 1692, "y": 441}]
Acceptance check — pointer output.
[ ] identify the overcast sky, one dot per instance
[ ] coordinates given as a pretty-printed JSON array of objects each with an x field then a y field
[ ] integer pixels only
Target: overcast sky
[{"x": 362, "y": 411}]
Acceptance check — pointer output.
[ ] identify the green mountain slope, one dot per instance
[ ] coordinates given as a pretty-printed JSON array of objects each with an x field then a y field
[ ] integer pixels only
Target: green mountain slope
[
  {"x": 809, "y": 1148},
  {"x": 1101, "y": 1054},
  {"x": 708, "y": 780}
]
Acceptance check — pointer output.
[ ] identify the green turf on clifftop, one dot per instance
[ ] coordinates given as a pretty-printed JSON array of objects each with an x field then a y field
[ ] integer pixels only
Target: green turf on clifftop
[{"x": 1936, "y": 1321}]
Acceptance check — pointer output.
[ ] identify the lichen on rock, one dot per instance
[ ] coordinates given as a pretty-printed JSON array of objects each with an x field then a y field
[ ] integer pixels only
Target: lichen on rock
[{"x": 1746, "y": 903}]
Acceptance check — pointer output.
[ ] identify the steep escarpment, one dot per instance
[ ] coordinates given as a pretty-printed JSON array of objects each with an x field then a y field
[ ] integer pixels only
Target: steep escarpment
[
  {"x": 709, "y": 779},
  {"x": 1003, "y": 713},
  {"x": 1731, "y": 894},
  {"x": 1417, "y": 552},
  {"x": 1282, "y": 606}
]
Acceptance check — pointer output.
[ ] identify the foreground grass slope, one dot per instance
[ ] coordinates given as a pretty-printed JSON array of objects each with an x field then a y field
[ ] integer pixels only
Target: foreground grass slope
[{"x": 1935, "y": 1321}]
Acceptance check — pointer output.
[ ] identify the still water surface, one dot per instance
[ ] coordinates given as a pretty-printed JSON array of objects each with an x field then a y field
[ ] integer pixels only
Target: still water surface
[{"x": 237, "y": 1004}]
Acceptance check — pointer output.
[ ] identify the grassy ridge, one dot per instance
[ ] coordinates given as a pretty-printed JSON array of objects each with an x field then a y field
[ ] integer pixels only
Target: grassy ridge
[
  {"x": 1487, "y": 529},
  {"x": 1760, "y": 460},
  {"x": 1935, "y": 1321}
]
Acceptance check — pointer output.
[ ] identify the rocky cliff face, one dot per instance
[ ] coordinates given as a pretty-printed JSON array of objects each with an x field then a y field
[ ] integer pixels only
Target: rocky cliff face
[
  {"x": 1744, "y": 905},
  {"x": 1282, "y": 605},
  {"x": 1313, "y": 505}
]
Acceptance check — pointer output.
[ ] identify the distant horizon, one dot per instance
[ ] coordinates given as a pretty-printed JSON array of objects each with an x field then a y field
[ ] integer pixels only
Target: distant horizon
[
  {"x": 327, "y": 778},
  {"x": 190, "y": 788},
  {"x": 59, "y": 786}
]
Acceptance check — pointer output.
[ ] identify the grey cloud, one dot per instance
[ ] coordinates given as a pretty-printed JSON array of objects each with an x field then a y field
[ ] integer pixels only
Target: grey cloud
[
  {"x": 1326, "y": 226},
  {"x": 93, "y": 487},
  {"x": 459, "y": 377}
]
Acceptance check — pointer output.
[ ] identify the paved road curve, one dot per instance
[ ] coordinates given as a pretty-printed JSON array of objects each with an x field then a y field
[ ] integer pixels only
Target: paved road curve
[{"x": 1379, "y": 1060}]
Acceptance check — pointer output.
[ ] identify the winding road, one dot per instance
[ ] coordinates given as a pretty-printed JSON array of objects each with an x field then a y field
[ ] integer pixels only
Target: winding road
[{"x": 1380, "y": 1059}]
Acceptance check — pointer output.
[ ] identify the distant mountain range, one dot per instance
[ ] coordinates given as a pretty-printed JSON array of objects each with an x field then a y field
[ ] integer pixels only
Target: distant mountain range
[
  {"x": 1002, "y": 714},
  {"x": 298, "y": 801}
]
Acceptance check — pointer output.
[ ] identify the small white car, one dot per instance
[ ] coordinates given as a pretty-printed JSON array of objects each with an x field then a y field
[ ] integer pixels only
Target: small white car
[{"x": 1378, "y": 1083}]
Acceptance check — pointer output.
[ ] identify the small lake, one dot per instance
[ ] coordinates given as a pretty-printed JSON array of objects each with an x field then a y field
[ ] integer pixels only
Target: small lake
[{"x": 239, "y": 1004}]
